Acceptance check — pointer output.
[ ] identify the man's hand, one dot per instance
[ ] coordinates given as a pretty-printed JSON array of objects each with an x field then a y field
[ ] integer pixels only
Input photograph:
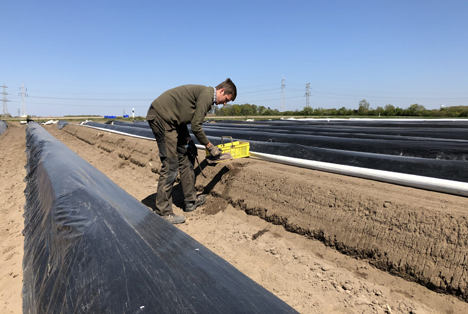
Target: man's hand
[
  {"x": 214, "y": 150},
  {"x": 192, "y": 149}
]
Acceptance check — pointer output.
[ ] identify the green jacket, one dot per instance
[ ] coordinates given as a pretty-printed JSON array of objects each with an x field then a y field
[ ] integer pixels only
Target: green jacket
[{"x": 183, "y": 105}]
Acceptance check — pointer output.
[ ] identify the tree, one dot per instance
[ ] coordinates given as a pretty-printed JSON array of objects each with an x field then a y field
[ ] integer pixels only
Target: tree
[
  {"x": 235, "y": 110},
  {"x": 372, "y": 112},
  {"x": 246, "y": 110},
  {"x": 416, "y": 110},
  {"x": 399, "y": 111},
  {"x": 439, "y": 113},
  {"x": 254, "y": 109},
  {"x": 454, "y": 111},
  {"x": 343, "y": 111},
  {"x": 222, "y": 111},
  {"x": 266, "y": 112},
  {"x": 363, "y": 107},
  {"x": 379, "y": 111},
  {"x": 332, "y": 112},
  {"x": 319, "y": 111},
  {"x": 389, "y": 110},
  {"x": 308, "y": 111}
]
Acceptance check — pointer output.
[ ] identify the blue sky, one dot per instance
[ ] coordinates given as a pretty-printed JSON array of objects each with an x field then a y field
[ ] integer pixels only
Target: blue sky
[{"x": 107, "y": 56}]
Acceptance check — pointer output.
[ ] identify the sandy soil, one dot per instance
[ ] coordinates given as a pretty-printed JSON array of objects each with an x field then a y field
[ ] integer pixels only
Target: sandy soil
[
  {"x": 12, "y": 162},
  {"x": 286, "y": 228}
]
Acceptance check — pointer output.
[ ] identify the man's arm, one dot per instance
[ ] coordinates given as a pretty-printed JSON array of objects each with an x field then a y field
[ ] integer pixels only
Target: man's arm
[{"x": 202, "y": 106}]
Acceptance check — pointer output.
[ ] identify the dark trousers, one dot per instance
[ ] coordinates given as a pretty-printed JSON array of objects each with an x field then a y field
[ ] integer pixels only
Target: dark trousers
[{"x": 174, "y": 159}]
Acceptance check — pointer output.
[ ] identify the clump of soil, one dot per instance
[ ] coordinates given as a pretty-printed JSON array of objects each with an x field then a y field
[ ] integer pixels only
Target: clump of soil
[{"x": 214, "y": 206}]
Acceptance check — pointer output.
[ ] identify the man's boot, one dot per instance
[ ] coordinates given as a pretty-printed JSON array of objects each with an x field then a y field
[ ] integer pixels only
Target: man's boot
[
  {"x": 191, "y": 206},
  {"x": 174, "y": 219}
]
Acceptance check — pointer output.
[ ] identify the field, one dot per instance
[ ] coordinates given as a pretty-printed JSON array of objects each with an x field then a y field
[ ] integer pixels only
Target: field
[{"x": 263, "y": 219}]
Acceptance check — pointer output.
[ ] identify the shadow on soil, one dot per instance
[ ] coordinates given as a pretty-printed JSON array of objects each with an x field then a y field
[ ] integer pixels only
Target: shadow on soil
[{"x": 177, "y": 192}]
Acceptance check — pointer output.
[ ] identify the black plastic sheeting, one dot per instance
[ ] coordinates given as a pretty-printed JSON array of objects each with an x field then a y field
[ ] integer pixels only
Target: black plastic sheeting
[
  {"x": 401, "y": 130},
  {"x": 443, "y": 158},
  {"x": 377, "y": 123},
  {"x": 399, "y": 133},
  {"x": 61, "y": 124},
  {"x": 441, "y": 169},
  {"x": 360, "y": 139},
  {"x": 408, "y": 148},
  {"x": 3, "y": 126},
  {"x": 92, "y": 248}
]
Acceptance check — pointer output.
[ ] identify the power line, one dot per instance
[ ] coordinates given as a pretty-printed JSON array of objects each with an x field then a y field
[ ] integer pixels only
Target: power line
[
  {"x": 249, "y": 94},
  {"x": 96, "y": 106},
  {"x": 260, "y": 91},
  {"x": 255, "y": 86},
  {"x": 94, "y": 99},
  {"x": 364, "y": 94},
  {"x": 133, "y": 99},
  {"x": 273, "y": 99},
  {"x": 389, "y": 97},
  {"x": 81, "y": 93},
  {"x": 243, "y": 88}
]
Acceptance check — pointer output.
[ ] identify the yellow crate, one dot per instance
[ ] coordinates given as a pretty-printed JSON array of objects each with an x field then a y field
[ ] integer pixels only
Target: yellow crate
[{"x": 238, "y": 149}]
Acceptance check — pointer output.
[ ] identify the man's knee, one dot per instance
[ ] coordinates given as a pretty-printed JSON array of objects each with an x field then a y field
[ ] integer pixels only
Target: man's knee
[{"x": 170, "y": 168}]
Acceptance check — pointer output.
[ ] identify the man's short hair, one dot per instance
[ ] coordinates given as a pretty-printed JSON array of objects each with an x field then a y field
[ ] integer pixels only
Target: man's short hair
[{"x": 229, "y": 88}]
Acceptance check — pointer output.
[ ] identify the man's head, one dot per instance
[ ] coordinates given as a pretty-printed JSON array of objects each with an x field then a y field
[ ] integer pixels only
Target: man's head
[{"x": 225, "y": 92}]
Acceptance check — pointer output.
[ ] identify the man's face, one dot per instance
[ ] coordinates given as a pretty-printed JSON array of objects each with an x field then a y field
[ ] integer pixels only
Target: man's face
[{"x": 222, "y": 98}]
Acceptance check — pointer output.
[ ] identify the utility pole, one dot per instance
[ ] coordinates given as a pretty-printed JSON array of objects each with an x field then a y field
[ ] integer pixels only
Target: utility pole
[
  {"x": 5, "y": 100},
  {"x": 23, "y": 94},
  {"x": 307, "y": 94},
  {"x": 282, "y": 94}
]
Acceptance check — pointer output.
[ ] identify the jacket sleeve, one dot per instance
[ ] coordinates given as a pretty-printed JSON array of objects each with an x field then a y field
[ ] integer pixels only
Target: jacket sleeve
[{"x": 202, "y": 107}]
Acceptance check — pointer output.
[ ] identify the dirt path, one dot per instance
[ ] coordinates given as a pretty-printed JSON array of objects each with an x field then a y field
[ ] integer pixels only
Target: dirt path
[
  {"x": 12, "y": 162},
  {"x": 302, "y": 271}
]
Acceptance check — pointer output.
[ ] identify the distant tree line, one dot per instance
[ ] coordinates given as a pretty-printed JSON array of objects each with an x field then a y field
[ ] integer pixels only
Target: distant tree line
[{"x": 364, "y": 109}]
